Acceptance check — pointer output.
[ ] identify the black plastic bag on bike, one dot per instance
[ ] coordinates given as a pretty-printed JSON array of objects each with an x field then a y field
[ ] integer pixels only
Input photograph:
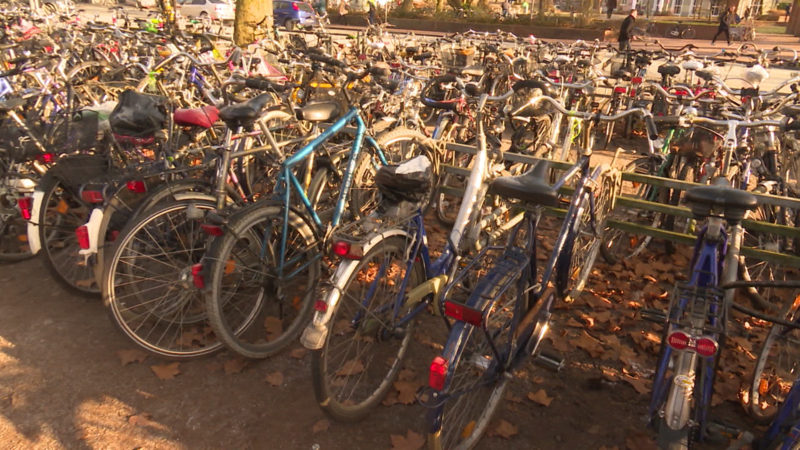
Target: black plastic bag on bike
[
  {"x": 409, "y": 182},
  {"x": 138, "y": 115}
]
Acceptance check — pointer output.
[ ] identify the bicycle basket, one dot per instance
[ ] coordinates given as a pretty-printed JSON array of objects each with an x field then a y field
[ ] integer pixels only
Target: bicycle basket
[{"x": 138, "y": 115}]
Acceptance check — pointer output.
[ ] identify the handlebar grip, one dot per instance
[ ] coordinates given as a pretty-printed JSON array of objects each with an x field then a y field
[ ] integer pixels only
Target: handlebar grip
[
  {"x": 652, "y": 129},
  {"x": 264, "y": 85}
]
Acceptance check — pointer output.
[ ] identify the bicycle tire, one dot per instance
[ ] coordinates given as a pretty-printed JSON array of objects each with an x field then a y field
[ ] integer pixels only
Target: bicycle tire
[
  {"x": 619, "y": 245},
  {"x": 582, "y": 246},
  {"x": 688, "y": 33},
  {"x": 61, "y": 213},
  {"x": 348, "y": 391},
  {"x": 776, "y": 367},
  {"x": 754, "y": 269},
  {"x": 241, "y": 266},
  {"x": 471, "y": 362},
  {"x": 177, "y": 322}
]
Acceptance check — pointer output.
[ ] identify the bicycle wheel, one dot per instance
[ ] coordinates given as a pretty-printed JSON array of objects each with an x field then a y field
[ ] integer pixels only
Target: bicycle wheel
[
  {"x": 620, "y": 245},
  {"x": 60, "y": 214},
  {"x": 777, "y": 366},
  {"x": 365, "y": 346},
  {"x": 256, "y": 308},
  {"x": 13, "y": 228},
  {"x": 148, "y": 285},
  {"x": 688, "y": 33},
  {"x": 476, "y": 379},
  {"x": 755, "y": 269},
  {"x": 580, "y": 251}
]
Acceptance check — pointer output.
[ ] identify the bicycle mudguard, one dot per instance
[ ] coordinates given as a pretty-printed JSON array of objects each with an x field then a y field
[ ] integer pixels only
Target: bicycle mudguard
[
  {"x": 316, "y": 332},
  {"x": 34, "y": 242}
]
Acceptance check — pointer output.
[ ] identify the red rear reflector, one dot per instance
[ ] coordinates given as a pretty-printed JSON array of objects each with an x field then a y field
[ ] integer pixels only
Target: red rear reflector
[
  {"x": 620, "y": 89},
  {"x": 341, "y": 248},
  {"x": 92, "y": 196},
  {"x": 633, "y": 92},
  {"x": 438, "y": 373},
  {"x": 320, "y": 306},
  {"x": 678, "y": 340},
  {"x": 211, "y": 230},
  {"x": 82, "y": 233},
  {"x": 636, "y": 80},
  {"x": 46, "y": 158},
  {"x": 464, "y": 313},
  {"x": 706, "y": 347},
  {"x": 137, "y": 186},
  {"x": 197, "y": 276},
  {"x": 25, "y": 204},
  {"x": 681, "y": 92}
]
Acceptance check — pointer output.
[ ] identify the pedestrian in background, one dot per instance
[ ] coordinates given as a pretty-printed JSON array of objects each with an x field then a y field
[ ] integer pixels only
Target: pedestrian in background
[
  {"x": 611, "y": 5},
  {"x": 725, "y": 20},
  {"x": 373, "y": 11},
  {"x": 625, "y": 31}
]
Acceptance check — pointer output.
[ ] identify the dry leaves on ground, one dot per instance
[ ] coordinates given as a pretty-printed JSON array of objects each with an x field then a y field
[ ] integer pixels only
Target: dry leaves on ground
[
  {"x": 166, "y": 371},
  {"x": 131, "y": 356},
  {"x": 298, "y": 353},
  {"x": 503, "y": 429},
  {"x": 406, "y": 392},
  {"x": 274, "y": 327},
  {"x": 145, "y": 420},
  {"x": 411, "y": 441},
  {"x": 349, "y": 368},
  {"x": 540, "y": 397},
  {"x": 274, "y": 378},
  {"x": 640, "y": 441},
  {"x": 589, "y": 344},
  {"x": 235, "y": 365},
  {"x": 320, "y": 426},
  {"x": 641, "y": 385}
]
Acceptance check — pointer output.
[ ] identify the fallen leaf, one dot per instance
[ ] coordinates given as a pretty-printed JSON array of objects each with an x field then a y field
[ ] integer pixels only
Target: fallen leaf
[
  {"x": 540, "y": 397},
  {"x": 274, "y": 378},
  {"x": 571, "y": 322},
  {"x": 189, "y": 337},
  {"x": 298, "y": 353},
  {"x": 321, "y": 425},
  {"x": 144, "y": 420},
  {"x": 503, "y": 429},
  {"x": 235, "y": 365},
  {"x": 352, "y": 367},
  {"x": 411, "y": 441},
  {"x": 640, "y": 441},
  {"x": 560, "y": 345},
  {"x": 131, "y": 356},
  {"x": 641, "y": 385},
  {"x": 274, "y": 327},
  {"x": 589, "y": 344},
  {"x": 166, "y": 371},
  {"x": 406, "y": 375},
  {"x": 406, "y": 392}
]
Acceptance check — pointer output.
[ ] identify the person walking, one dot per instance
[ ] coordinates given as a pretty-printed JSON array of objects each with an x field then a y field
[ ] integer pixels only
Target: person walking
[
  {"x": 373, "y": 11},
  {"x": 725, "y": 20},
  {"x": 625, "y": 31},
  {"x": 611, "y": 5}
]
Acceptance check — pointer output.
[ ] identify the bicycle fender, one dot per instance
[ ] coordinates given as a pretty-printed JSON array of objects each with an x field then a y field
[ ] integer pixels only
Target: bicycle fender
[
  {"x": 431, "y": 287},
  {"x": 316, "y": 332},
  {"x": 193, "y": 196},
  {"x": 33, "y": 226}
]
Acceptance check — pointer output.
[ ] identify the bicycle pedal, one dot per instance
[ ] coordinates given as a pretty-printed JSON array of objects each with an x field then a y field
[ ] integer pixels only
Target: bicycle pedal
[
  {"x": 549, "y": 361},
  {"x": 653, "y": 315}
]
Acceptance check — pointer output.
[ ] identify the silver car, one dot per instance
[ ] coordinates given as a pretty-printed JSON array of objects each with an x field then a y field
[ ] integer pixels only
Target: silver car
[{"x": 206, "y": 9}]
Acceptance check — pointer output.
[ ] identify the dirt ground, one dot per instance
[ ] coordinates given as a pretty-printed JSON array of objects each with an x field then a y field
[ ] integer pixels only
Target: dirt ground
[{"x": 68, "y": 379}]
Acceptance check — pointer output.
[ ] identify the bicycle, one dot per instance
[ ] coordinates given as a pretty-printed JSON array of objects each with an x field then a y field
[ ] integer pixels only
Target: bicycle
[
  {"x": 680, "y": 31},
  {"x": 505, "y": 318}
]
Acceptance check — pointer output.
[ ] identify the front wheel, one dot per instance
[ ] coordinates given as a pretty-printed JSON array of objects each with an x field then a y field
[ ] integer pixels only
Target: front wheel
[
  {"x": 689, "y": 33},
  {"x": 366, "y": 345},
  {"x": 261, "y": 281}
]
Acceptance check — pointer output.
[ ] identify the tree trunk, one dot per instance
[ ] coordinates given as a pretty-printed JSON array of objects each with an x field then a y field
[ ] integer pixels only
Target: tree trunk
[
  {"x": 250, "y": 16},
  {"x": 406, "y": 6},
  {"x": 793, "y": 26},
  {"x": 440, "y": 5}
]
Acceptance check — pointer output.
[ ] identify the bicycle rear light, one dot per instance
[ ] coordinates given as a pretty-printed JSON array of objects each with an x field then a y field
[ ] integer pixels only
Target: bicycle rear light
[
  {"x": 92, "y": 196},
  {"x": 197, "y": 276},
  {"x": 678, "y": 340},
  {"x": 25, "y": 205},
  {"x": 46, "y": 158},
  {"x": 347, "y": 250},
  {"x": 438, "y": 373},
  {"x": 82, "y": 233},
  {"x": 636, "y": 80},
  {"x": 620, "y": 89},
  {"x": 464, "y": 313},
  {"x": 706, "y": 346},
  {"x": 211, "y": 230},
  {"x": 321, "y": 306},
  {"x": 137, "y": 186}
]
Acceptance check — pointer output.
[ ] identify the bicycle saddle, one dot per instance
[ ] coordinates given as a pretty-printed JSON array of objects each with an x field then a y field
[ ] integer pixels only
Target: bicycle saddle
[
  {"x": 692, "y": 64},
  {"x": 196, "y": 117},
  {"x": 705, "y": 74},
  {"x": 473, "y": 71},
  {"x": 318, "y": 112},
  {"x": 529, "y": 187},
  {"x": 669, "y": 69},
  {"x": 246, "y": 113},
  {"x": 719, "y": 195}
]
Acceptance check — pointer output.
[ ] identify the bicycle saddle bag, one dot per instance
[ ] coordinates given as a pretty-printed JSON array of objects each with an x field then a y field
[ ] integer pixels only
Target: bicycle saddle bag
[
  {"x": 409, "y": 181},
  {"x": 138, "y": 115}
]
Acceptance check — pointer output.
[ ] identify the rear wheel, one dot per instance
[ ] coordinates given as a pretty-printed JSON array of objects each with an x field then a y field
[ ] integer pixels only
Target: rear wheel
[
  {"x": 689, "y": 33},
  {"x": 365, "y": 346},
  {"x": 777, "y": 367}
]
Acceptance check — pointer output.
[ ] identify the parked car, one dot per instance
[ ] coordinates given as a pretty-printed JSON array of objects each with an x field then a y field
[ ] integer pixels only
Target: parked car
[
  {"x": 206, "y": 9},
  {"x": 292, "y": 14}
]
